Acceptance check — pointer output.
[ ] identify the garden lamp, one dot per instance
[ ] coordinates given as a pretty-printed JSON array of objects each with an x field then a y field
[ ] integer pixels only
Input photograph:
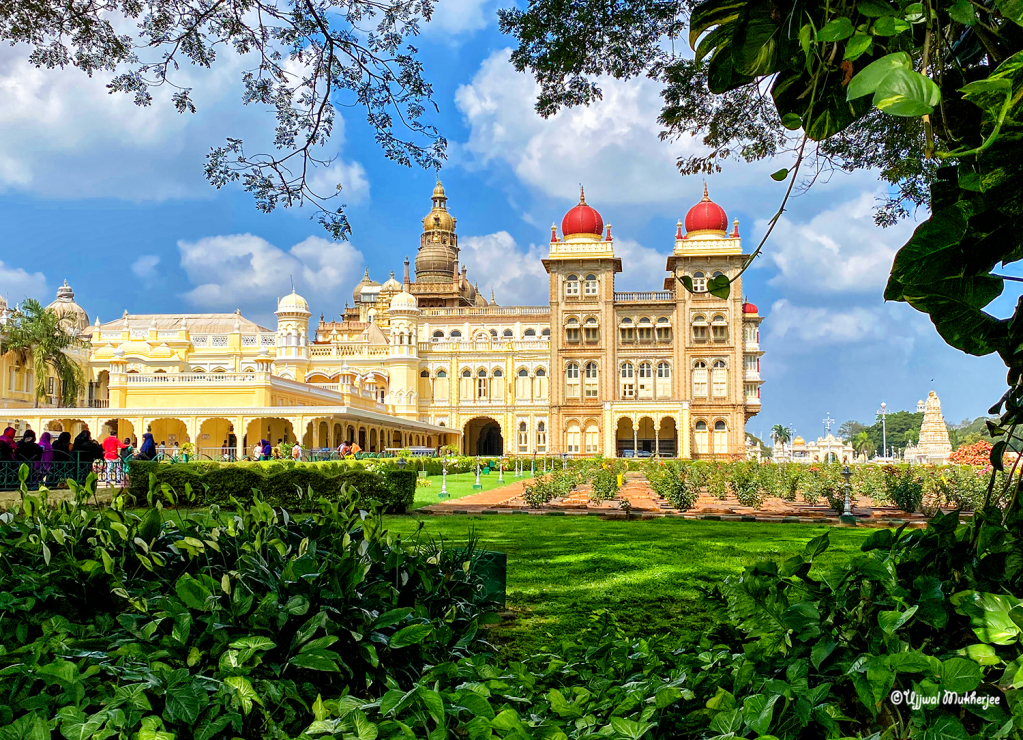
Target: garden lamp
[
  {"x": 847, "y": 474},
  {"x": 402, "y": 462},
  {"x": 564, "y": 461}
]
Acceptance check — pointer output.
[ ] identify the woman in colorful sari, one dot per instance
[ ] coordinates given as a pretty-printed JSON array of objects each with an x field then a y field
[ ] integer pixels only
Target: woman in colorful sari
[{"x": 46, "y": 459}]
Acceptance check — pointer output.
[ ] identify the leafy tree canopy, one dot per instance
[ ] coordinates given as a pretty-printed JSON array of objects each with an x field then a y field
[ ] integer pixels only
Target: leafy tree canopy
[{"x": 306, "y": 57}]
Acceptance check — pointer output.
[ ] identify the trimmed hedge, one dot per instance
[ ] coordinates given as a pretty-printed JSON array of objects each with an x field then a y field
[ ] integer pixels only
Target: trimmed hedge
[{"x": 286, "y": 484}]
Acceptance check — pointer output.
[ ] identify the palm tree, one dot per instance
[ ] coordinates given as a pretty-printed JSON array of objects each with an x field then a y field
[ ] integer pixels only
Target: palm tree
[
  {"x": 45, "y": 338},
  {"x": 781, "y": 433},
  {"x": 862, "y": 444}
]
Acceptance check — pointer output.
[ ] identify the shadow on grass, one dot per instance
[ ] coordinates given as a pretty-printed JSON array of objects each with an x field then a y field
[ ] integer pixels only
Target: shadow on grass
[{"x": 647, "y": 572}]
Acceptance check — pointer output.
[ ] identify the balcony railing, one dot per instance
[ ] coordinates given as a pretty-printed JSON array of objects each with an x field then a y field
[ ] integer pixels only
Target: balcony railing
[
  {"x": 489, "y": 311},
  {"x": 188, "y": 378},
  {"x": 644, "y": 296}
]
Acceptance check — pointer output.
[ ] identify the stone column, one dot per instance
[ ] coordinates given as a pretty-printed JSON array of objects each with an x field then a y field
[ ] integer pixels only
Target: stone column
[
  {"x": 657, "y": 438},
  {"x": 239, "y": 437}
]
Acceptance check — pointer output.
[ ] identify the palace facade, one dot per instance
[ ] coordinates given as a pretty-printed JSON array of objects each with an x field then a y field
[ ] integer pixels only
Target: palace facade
[{"x": 427, "y": 360}]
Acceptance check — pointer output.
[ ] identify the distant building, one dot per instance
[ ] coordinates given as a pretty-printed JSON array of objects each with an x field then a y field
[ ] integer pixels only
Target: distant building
[
  {"x": 934, "y": 446},
  {"x": 826, "y": 449}
]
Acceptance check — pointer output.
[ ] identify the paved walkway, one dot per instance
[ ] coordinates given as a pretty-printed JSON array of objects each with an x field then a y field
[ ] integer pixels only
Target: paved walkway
[{"x": 644, "y": 503}]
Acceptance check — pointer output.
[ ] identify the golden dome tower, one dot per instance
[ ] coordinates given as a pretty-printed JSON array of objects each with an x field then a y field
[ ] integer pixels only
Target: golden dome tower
[{"x": 438, "y": 246}]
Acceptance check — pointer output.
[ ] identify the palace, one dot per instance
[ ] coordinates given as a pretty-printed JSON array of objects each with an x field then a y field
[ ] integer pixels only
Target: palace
[{"x": 429, "y": 361}]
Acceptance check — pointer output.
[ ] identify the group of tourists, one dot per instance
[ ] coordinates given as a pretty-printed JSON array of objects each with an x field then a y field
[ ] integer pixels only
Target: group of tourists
[
  {"x": 348, "y": 449},
  {"x": 263, "y": 450}
]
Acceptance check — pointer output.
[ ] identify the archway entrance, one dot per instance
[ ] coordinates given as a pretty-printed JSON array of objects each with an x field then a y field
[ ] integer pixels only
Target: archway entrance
[
  {"x": 667, "y": 435},
  {"x": 483, "y": 437},
  {"x": 625, "y": 442}
]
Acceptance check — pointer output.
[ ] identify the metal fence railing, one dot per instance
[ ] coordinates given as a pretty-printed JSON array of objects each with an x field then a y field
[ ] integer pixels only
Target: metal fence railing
[{"x": 56, "y": 474}]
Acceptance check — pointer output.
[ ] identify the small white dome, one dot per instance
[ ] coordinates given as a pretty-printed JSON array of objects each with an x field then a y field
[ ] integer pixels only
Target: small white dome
[
  {"x": 404, "y": 301},
  {"x": 391, "y": 286},
  {"x": 293, "y": 303}
]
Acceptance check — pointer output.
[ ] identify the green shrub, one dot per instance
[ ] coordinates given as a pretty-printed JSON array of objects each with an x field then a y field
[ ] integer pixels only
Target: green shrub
[
  {"x": 401, "y": 490},
  {"x": 744, "y": 480},
  {"x": 904, "y": 488},
  {"x": 133, "y": 625},
  {"x": 674, "y": 481},
  {"x": 825, "y": 482}
]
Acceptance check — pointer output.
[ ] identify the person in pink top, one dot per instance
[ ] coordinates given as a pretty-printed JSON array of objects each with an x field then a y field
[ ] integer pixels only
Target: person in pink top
[{"x": 112, "y": 447}]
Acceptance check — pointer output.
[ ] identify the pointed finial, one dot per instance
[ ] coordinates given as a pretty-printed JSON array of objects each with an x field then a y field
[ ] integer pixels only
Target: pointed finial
[
  {"x": 554, "y": 233},
  {"x": 706, "y": 195},
  {"x": 678, "y": 229},
  {"x": 608, "y": 233},
  {"x": 582, "y": 195},
  {"x": 366, "y": 276},
  {"x": 492, "y": 298}
]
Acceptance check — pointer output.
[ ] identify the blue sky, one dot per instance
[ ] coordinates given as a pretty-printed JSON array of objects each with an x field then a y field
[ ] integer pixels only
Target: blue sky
[{"x": 112, "y": 198}]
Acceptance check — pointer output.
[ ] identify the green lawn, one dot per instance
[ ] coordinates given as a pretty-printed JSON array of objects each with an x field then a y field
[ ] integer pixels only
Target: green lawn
[
  {"x": 460, "y": 485},
  {"x": 647, "y": 572}
]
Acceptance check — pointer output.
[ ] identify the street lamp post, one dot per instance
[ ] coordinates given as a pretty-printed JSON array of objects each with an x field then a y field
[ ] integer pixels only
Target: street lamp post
[
  {"x": 883, "y": 412},
  {"x": 500, "y": 470},
  {"x": 532, "y": 467},
  {"x": 564, "y": 461},
  {"x": 847, "y": 515},
  {"x": 444, "y": 479},
  {"x": 477, "y": 486}
]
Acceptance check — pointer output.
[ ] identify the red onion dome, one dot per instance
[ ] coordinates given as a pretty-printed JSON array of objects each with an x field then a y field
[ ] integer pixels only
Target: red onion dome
[
  {"x": 582, "y": 219},
  {"x": 748, "y": 307},
  {"x": 706, "y": 216}
]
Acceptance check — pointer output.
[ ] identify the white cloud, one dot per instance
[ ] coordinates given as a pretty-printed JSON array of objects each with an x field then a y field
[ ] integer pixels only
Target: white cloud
[
  {"x": 793, "y": 329},
  {"x": 245, "y": 270},
  {"x": 460, "y": 17},
  {"x": 516, "y": 276},
  {"x": 67, "y": 136},
  {"x": 839, "y": 250},
  {"x": 642, "y": 268},
  {"x": 351, "y": 176},
  {"x": 17, "y": 284},
  {"x": 145, "y": 266}
]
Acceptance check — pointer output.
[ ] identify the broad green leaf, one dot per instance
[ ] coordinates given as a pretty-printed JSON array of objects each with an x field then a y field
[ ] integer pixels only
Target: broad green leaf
[
  {"x": 719, "y": 286},
  {"x": 888, "y": 26},
  {"x": 906, "y": 94},
  {"x": 317, "y": 660},
  {"x": 868, "y": 79},
  {"x": 560, "y": 705},
  {"x": 724, "y": 723},
  {"x": 434, "y": 704},
  {"x": 945, "y": 727},
  {"x": 890, "y": 621},
  {"x": 757, "y": 712},
  {"x": 210, "y": 728},
  {"x": 630, "y": 728},
  {"x": 962, "y": 11},
  {"x": 153, "y": 729},
  {"x": 242, "y": 692},
  {"x": 792, "y": 122},
  {"x": 875, "y": 8},
  {"x": 182, "y": 704},
  {"x": 194, "y": 594},
  {"x": 914, "y": 13},
  {"x": 413, "y": 634},
  {"x": 364, "y": 729},
  {"x": 249, "y": 646},
  {"x": 391, "y": 617},
  {"x": 781, "y": 174},
  {"x": 666, "y": 696},
  {"x": 914, "y": 662},
  {"x": 820, "y": 652},
  {"x": 983, "y": 654},
  {"x": 1011, "y": 9},
  {"x": 989, "y": 617},
  {"x": 857, "y": 46},
  {"x": 803, "y": 619},
  {"x": 297, "y": 605},
  {"x": 722, "y": 700},
  {"x": 836, "y": 30},
  {"x": 959, "y": 675},
  {"x": 74, "y": 725}
]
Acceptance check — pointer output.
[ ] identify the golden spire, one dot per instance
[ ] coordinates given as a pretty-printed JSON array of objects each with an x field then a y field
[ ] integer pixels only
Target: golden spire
[
  {"x": 582, "y": 196},
  {"x": 706, "y": 195}
]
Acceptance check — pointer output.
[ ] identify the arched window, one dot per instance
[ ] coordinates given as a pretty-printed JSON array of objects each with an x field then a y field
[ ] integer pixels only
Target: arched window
[
  {"x": 523, "y": 438},
  {"x": 466, "y": 373},
  {"x": 628, "y": 386},
  {"x": 572, "y": 333},
  {"x": 540, "y": 372},
  {"x": 699, "y": 378},
  {"x": 626, "y": 330},
  {"x": 572, "y": 380},
  {"x": 482, "y": 337},
  {"x": 645, "y": 330},
  {"x": 438, "y": 335},
  {"x": 719, "y": 378},
  {"x": 646, "y": 370},
  {"x": 424, "y": 374},
  {"x": 590, "y": 286},
  {"x": 699, "y": 282},
  {"x": 718, "y": 273},
  {"x": 590, "y": 389},
  {"x": 572, "y": 438},
  {"x": 523, "y": 373},
  {"x": 493, "y": 333},
  {"x": 498, "y": 373},
  {"x": 702, "y": 436},
  {"x": 507, "y": 334},
  {"x": 719, "y": 426},
  {"x": 545, "y": 333},
  {"x": 530, "y": 334},
  {"x": 663, "y": 330},
  {"x": 541, "y": 437},
  {"x": 482, "y": 385},
  {"x": 663, "y": 370},
  {"x": 719, "y": 328},
  {"x": 701, "y": 426},
  {"x": 455, "y": 334},
  {"x": 441, "y": 374},
  {"x": 699, "y": 328},
  {"x": 572, "y": 285},
  {"x": 590, "y": 331},
  {"x": 591, "y": 439}
]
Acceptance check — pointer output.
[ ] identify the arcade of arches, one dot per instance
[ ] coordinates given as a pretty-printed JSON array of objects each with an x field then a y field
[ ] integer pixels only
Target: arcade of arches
[{"x": 482, "y": 436}]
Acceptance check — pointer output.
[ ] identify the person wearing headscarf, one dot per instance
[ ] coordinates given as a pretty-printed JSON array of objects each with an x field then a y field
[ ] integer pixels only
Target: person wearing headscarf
[
  {"x": 28, "y": 449},
  {"x": 46, "y": 458},
  {"x": 267, "y": 449},
  {"x": 7, "y": 444},
  {"x": 85, "y": 448},
  {"x": 62, "y": 446},
  {"x": 148, "y": 449}
]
